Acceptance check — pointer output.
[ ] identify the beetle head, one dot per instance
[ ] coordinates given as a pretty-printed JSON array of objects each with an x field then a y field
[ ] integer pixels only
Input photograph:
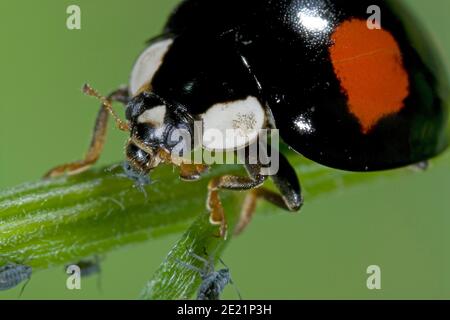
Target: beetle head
[{"x": 157, "y": 127}]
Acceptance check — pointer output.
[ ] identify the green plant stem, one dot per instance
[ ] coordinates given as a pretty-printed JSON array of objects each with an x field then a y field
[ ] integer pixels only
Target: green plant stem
[
  {"x": 60, "y": 221},
  {"x": 172, "y": 280},
  {"x": 54, "y": 222}
]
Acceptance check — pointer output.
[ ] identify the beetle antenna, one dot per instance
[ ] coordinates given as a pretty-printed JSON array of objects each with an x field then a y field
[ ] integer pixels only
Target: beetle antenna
[{"x": 88, "y": 90}]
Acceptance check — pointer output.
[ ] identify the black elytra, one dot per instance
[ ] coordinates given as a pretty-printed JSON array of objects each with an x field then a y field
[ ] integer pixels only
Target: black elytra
[{"x": 281, "y": 52}]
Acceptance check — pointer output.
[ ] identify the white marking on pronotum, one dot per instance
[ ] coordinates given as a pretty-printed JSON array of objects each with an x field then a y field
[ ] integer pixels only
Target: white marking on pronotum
[
  {"x": 154, "y": 116},
  {"x": 233, "y": 125},
  {"x": 148, "y": 64}
]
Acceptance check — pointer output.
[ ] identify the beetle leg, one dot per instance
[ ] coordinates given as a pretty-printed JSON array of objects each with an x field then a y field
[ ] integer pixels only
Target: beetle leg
[
  {"x": 237, "y": 183},
  {"x": 192, "y": 172},
  {"x": 190, "y": 267},
  {"x": 289, "y": 198},
  {"x": 199, "y": 258},
  {"x": 97, "y": 141},
  {"x": 250, "y": 202}
]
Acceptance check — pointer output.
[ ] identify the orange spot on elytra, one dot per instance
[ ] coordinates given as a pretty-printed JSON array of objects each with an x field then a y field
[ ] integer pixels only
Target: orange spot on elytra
[{"x": 368, "y": 64}]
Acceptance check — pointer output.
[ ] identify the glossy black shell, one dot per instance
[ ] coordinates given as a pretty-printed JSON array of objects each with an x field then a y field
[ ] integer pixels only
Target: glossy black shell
[{"x": 229, "y": 49}]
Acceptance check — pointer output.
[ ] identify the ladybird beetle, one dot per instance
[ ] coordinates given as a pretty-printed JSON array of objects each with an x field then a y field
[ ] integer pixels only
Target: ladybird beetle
[{"x": 340, "y": 93}]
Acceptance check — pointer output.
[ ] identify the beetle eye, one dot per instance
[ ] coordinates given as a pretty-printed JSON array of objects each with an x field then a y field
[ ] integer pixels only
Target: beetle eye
[{"x": 137, "y": 158}]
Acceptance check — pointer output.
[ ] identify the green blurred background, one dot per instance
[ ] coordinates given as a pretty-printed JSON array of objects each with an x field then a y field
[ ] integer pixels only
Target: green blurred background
[{"x": 401, "y": 224}]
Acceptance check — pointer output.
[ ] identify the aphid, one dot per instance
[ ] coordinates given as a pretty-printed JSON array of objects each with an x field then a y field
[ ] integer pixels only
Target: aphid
[
  {"x": 140, "y": 180},
  {"x": 340, "y": 93},
  {"x": 213, "y": 282},
  {"x": 12, "y": 274}
]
